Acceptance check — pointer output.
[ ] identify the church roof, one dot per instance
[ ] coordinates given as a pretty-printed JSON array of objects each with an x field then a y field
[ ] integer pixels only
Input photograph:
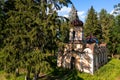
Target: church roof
[{"x": 77, "y": 22}]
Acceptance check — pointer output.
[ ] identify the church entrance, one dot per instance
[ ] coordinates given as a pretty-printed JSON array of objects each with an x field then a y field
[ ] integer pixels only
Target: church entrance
[{"x": 72, "y": 62}]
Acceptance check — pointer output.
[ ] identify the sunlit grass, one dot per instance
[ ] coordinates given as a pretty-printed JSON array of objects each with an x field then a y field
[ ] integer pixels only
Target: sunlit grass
[
  {"x": 6, "y": 76},
  {"x": 110, "y": 71},
  {"x": 2, "y": 75}
]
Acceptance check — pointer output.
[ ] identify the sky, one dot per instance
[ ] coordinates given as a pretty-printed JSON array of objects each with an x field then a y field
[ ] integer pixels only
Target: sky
[{"x": 83, "y": 6}]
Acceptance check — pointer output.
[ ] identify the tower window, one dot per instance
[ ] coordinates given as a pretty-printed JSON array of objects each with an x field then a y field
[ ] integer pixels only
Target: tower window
[{"x": 73, "y": 35}]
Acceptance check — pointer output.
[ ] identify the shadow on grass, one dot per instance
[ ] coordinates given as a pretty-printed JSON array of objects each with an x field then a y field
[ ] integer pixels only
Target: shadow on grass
[{"x": 60, "y": 73}]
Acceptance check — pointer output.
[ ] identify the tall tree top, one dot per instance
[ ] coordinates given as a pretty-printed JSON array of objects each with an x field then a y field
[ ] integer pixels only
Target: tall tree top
[
  {"x": 116, "y": 9},
  {"x": 73, "y": 13},
  {"x": 73, "y": 17}
]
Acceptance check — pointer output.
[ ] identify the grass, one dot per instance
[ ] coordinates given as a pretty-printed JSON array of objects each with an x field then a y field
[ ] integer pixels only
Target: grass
[
  {"x": 2, "y": 75},
  {"x": 6, "y": 76},
  {"x": 110, "y": 71}
]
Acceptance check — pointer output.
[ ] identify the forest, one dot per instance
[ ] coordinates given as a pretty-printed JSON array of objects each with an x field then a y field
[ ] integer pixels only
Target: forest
[{"x": 31, "y": 32}]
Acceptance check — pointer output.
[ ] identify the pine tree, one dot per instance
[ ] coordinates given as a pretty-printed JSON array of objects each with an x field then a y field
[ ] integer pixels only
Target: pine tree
[
  {"x": 1, "y": 23},
  {"x": 2, "y": 20},
  {"x": 30, "y": 27},
  {"x": 114, "y": 41},
  {"x": 116, "y": 9},
  {"x": 106, "y": 22},
  {"x": 115, "y": 32},
  {"x": 92, "y": 26},
  {"x": 73, "y": 14}
]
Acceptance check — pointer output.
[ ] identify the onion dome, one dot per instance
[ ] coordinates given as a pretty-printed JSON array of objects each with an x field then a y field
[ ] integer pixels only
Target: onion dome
[
  {"x": 91, "y": 39},
  {"x": 77, "y": 22}
]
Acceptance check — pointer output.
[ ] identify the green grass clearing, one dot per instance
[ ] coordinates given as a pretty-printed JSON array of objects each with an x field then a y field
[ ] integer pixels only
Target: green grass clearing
[{"x": 110, "y": 71}]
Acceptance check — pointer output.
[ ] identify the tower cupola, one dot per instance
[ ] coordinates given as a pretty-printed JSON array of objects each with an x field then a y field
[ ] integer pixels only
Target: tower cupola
[{"x": 76, "y": 29}]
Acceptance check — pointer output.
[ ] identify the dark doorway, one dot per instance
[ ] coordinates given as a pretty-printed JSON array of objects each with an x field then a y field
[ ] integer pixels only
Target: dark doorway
[
  {"x": 73, "y": 35},
  {"x": 72, "y": 62}
]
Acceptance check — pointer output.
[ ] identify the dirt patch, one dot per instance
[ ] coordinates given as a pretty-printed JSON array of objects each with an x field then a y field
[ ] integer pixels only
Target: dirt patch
[
  {"x": 117, "y": 56},
  {"x": 118, "y": 78},
  {"x": 2, "y": 76}
]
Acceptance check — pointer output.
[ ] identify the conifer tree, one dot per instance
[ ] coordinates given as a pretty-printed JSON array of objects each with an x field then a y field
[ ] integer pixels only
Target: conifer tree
[
  {"x": 73, "y": 14},
  {"x": 115, "y": 32},
  {"x": 1, "y": 22},
  {"x": 30, "y": 26},
  {"x": 116, "y": 9},
  {"x": 114, "y": 41},
  {"x": 91, "y": 24},
  {"x": 106, "y": 22}
]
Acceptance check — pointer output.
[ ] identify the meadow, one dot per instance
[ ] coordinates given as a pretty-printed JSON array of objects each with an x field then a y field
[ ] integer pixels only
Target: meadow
[{"x": 110, "y": 71}]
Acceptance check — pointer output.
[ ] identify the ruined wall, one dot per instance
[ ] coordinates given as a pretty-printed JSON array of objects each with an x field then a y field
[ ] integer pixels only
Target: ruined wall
[
  {"x": 88, "y": 60},
  {"x": 77, "y": 33}
]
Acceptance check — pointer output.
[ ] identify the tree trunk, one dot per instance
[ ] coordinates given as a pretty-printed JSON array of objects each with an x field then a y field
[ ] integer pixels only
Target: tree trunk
[
  {"x": 36, "y": 75},
  {"x": 54, "y": 52},
  {"x": 27, "y": 77},
  {"x": 112, "y": 55},
  {"x": 17, "y": 72}
]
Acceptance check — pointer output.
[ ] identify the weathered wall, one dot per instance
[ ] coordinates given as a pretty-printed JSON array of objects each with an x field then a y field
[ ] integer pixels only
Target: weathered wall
[{"x": 89, "y": 60}]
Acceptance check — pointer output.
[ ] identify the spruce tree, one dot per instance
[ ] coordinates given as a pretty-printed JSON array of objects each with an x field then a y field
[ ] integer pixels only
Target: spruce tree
[
  {"x": 115, "y": 32},
  {"x": 73, "y": 14},
  {"x": 1, "y": 23},
  {"x": 30, "y": 33},
  {"x": 116, "y": 9},
  {"x": 114, "y": 41},
  {"x": 92, "y": 26},
  {"x": 2, "y": 20},
  {"x": 106, "y": 22}
]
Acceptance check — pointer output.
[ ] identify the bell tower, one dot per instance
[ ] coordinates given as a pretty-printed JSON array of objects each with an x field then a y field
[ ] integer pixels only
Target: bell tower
[
  {"x": 76, "y": 30},
  {"x": 76, "y": 35}
]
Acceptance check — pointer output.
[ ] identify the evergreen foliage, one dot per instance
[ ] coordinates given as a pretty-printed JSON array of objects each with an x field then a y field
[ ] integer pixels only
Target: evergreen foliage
[
  {"x": 105, "y": 27},
  {"x": 91, "y": 24},
  {"x": 1, "y": 22},
  {"x": 114, "y": 43},
  {"x": 73, "y": 14},
  {"x": 30, "y": 34},
  {"x": 106, "y": 22},
  {"x": 31, "y": 31},
  {"x": 116, "y": 9}
]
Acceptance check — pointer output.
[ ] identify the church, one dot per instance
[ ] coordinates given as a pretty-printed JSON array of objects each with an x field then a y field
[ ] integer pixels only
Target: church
[{"x": 85, "y": 55}]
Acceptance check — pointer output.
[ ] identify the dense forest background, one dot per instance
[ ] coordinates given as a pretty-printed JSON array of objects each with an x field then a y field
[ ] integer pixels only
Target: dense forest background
[{"x": 31, "y": 31}]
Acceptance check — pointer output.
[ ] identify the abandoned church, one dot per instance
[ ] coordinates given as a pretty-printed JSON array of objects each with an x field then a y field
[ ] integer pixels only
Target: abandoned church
[{"x": 86, "y": 55}]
